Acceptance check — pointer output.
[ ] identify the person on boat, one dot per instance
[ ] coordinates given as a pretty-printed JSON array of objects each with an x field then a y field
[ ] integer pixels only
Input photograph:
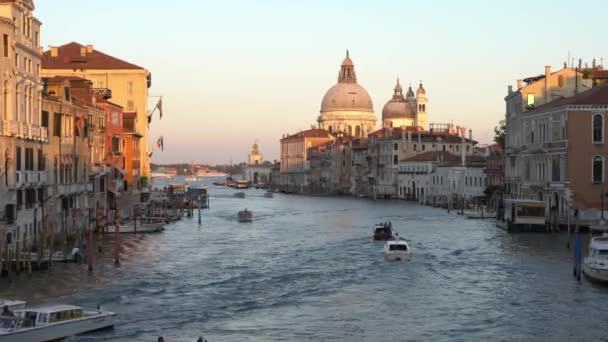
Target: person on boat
[
  {"x": 6, "y": 312},
  {"x": 76, "y": 255},
  {"x": 578, "y": 254}
]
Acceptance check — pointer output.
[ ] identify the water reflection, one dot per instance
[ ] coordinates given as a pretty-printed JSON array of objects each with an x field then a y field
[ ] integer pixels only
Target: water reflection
[{"x": 307, "y": 269}]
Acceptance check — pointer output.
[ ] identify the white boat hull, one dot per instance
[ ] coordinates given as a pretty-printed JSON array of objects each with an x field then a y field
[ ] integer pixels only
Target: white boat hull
[
  {"x": 141, "y": 228},
  {"x": 398, "y": 256},
  {"x": 60, "y": 330},
  {"x": 479, "y": 215},
  {"x": 595, "y": 273}
]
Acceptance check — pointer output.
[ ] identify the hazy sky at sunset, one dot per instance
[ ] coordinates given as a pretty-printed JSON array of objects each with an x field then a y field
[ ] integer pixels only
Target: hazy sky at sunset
[{"x": 235, "y": 71}]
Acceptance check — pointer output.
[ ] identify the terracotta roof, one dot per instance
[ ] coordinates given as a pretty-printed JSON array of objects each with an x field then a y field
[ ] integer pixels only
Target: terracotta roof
[
  {"x": 425, "y": 136},
  {"x": 311, "y": 133},
  {"x": 597, "y": 95},
  {"x": 69, "y": 57}
]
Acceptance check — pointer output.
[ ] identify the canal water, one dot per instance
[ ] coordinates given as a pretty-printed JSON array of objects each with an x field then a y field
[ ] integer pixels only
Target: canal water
[{"x": 307, "y": 269}]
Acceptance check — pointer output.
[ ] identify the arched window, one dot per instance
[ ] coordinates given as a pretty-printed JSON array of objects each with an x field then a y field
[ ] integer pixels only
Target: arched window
[
  {"x": 423, "y": 147},
  {"x": 357, "y": 131},
  {"x": 598, "y": 169},
  {"x": 350, "y": 130},
  {"x": 395, "y": 146},
  {"x": 330, "y": 129},
  {"x": 598, "y": 128},
  {"x": 395, "y": 160}
]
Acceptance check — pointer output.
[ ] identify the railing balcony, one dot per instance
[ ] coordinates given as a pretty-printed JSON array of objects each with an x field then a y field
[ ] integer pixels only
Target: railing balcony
[
  {"x": 13, "y": 127},
  {"x": 23, "y": 130},
  {"x": 35, "y": 132},
  {"x": 67, "y": 140}
]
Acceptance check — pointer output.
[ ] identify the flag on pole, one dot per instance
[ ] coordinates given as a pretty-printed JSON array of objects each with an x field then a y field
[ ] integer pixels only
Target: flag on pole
[
  {"x": 160, "y": 143},
  {"x": 159, "y": 106}
]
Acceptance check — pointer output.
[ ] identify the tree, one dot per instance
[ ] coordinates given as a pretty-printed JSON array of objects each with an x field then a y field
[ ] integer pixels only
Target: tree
[{"x": 500, "y": 132}]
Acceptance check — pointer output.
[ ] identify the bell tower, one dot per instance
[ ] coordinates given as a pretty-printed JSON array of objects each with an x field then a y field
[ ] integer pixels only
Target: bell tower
[{"x": 421, "y": 108}]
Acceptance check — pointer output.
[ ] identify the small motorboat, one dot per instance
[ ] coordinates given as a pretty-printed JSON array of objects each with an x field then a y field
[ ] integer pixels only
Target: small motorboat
[
  {"x": 245, "y": 216},
  {"x": 382, "y": 233},
  {"x": 242, "y": 184},
  {"x": 191, "y": 179},
  {"x": 397, "y": 250},
  {"x": 595, "y": 265},
  {"x": 268, "y": 194},
  {"x": 50, "y": 323},
  {"x": 479, "y": 213},
  {"x": 219, "y": 183},
  {"x": 239, "y": 195}
]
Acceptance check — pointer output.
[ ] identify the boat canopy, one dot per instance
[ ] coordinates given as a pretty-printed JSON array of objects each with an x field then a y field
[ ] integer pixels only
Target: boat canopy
[{"x": 600, "y": 243}]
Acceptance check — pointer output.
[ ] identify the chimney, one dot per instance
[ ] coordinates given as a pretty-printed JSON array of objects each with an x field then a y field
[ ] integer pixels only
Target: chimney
[
  {"x": 510, "y": 89},
  {"x": 470, "y": 134},
  {"x": 547, "y": 71},
  {"x": 89, "y": 48},
  {"x": 54, "y": 51},
  {"x": 520, "y": 84},
  {"x": 83, "y": 51},
  {"x": 463, "y": 131}
]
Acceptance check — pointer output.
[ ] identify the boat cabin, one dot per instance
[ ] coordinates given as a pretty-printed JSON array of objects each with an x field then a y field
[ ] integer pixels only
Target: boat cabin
[
  {"x": 48, "y": 315},
  {"x": 396, "y": 246},
  {"x": 598, "y": 248}
]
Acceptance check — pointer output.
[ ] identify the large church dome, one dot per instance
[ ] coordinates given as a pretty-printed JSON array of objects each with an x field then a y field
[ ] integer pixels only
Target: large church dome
[
  {"x": 347, "y": 95},
  {"x": 397, "y": 107}
]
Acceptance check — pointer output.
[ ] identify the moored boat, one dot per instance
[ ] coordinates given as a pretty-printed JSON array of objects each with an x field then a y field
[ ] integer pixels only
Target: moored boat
[
  {"x": 479, "y": 213},
  {"x": 242, "y": 184},
  {"x": 245, "y": 216},
  {"x": 595, "y": 265},
  {"x": 397, "y": 250},
  {"x": 268, "y": 194},
  {"x": 141, "y": 228},
  {"x": 49, "y": 323},
  {"x": 239, "y": 195}
]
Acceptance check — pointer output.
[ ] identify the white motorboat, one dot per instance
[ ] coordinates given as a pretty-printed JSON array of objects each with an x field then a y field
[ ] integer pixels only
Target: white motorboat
[
  {"x": 479, "y": 214},
  {"x": 245, "y": 216},
  {"x": 49, "y": 323},
  {"x": 191, "y": 179},
  {"x": 397, "y": 250},
  {"x": 142, "y": 228},
  {"x": 595, "y": 265}
]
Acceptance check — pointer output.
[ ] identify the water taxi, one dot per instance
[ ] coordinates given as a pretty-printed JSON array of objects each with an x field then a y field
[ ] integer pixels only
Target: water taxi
[
  {"x": 49, "y": 323},
  {"x": 382, "y": 233},
  {"x": 242, "y": 184},
  {"x": 397, "y": 250},
  {"x": 245, "y": 216},
  {"x": 522, "y": 215},
  {"x": 595, "y": 265}
]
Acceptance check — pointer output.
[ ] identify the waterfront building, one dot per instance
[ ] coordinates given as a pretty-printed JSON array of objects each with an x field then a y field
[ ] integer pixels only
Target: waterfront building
[
  {"x": 257, "y": 171},
  {"x": 410, "y": 111},
  {"x": 294, "y": 158},
  {"x": 532, "y": 92},
  {"x": 127, "y": 82},
  {"x": 558, "y": 162},
  {"x": 130, "y": 143},
  {"x": 330, "y": 166},
  {"x": 347, "y": 106},
  {"x": 23, "y": 135}
]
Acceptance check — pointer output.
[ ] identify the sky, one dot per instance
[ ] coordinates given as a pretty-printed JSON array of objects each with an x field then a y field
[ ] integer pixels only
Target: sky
[{"x": 235, "y": 72}]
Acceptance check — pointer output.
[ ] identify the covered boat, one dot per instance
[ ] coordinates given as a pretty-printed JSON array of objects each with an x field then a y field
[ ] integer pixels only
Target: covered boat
[
  {"x": 382, "y": 232},
  {"x": 49, "y": 323},
  {"x": 595, "y": 265},
  {"x": 245, "y": 216}
]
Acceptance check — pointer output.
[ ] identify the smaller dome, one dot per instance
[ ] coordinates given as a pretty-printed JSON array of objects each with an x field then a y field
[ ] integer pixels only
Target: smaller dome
[
  {"x": 410, "y": 93},
  {"x": 397, "y": 107},
  {"x": 420, "y": 90}
]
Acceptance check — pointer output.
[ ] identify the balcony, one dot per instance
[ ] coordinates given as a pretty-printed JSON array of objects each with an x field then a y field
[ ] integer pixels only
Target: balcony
[
  {"x": 555, "y": 145},
  {"x": 23, "y": 130},
  {"x": 70, "y": 189},
  {"x": 35, "y": 132},
  {"x": 13, "y": 128}
]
